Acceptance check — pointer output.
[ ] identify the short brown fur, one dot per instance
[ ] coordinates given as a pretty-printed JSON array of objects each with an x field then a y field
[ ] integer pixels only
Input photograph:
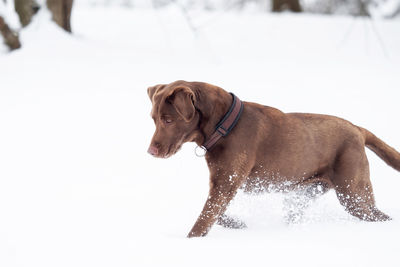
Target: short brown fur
[{"x": 266, "y": 148}]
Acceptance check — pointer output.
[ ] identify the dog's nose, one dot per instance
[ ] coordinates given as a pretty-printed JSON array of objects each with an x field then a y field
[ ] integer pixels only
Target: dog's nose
[{"x": 153, "y": 150}]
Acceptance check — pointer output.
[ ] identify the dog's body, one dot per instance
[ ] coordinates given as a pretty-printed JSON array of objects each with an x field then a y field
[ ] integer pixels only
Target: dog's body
[{"x": 266, "y": 148}]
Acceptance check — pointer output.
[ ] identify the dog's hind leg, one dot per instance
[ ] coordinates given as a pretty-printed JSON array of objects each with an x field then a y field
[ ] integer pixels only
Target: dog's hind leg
[
  {"x": 353, "y": 186},
  {"x": 297, "y": 202},
  {"x": 230, "y": 222},
  {"x": 361, "y": 206}
]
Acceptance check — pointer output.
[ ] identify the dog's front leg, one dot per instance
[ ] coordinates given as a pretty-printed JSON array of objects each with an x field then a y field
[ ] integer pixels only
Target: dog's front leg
[{"x": 223, "y": 189}]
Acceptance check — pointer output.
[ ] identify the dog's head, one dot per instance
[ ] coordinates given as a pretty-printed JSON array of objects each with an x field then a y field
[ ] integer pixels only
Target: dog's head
[{"x": 175, "y": 117}]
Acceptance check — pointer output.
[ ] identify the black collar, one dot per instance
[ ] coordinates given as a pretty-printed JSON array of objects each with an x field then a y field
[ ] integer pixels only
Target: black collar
[{"x": 225, "y": 126}]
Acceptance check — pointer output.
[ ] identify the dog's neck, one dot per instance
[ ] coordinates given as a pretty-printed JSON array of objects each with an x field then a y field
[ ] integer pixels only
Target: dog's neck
[
  {"x": 226, "y": 124},
  {"x": 211, "y": 111}
]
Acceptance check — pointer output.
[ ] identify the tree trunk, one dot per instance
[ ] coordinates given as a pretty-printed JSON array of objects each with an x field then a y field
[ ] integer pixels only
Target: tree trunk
[
  {"x": 10, "y": 38},
  {"x": 363, "y": 8},
  {"x": 61, "y": 11},
  {"x": 25, "y": 10},
  {"x": 280, "y": 5}
]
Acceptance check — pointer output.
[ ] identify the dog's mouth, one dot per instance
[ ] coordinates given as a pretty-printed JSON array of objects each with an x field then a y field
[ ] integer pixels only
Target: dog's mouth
[{"x": 172, "y": 150}]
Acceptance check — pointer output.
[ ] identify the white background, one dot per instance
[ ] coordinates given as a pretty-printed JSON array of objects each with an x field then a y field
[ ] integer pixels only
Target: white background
[{"x": 77, "y": 187}]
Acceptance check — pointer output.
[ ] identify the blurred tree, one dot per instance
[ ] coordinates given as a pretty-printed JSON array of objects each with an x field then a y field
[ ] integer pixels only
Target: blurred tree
[
  {"x": 280, "y": 5},
  {"x": 356, "y": 8},
  {"x": 396, "y": 12},
  {"x": 10, "y": 37},
  {"x": 363, "y": 8},
  {"x": 61, "y": 12},
  {"x": 25, "y": 10}
]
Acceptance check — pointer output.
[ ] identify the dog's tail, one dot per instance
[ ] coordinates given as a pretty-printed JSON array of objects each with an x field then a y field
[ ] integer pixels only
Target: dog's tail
[{"x": 383, "y": 150}]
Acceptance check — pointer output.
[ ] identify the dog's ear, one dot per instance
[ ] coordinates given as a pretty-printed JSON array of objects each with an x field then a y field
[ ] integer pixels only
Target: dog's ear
[
  {"x": 182, "y": 98},
  {"x": 153, "y": 89}
]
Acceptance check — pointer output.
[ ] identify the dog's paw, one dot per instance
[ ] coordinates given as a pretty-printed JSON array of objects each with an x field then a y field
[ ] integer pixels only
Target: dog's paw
[{"x": 230, "y": 222}]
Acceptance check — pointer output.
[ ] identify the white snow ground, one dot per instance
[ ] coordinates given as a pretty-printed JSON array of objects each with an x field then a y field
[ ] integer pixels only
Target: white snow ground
[{"x": 77, "y": 187}]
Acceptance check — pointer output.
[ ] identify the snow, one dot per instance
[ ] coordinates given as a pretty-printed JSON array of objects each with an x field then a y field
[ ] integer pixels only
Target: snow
[{"x": 77, "y": 187}]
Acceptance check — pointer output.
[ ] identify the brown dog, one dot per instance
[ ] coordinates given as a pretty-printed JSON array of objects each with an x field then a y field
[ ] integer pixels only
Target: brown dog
[{"x": 266, "y": 148}]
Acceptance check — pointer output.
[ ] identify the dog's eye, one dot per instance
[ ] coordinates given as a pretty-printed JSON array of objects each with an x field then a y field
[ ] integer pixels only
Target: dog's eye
[{"x": 166, "y": 119}]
